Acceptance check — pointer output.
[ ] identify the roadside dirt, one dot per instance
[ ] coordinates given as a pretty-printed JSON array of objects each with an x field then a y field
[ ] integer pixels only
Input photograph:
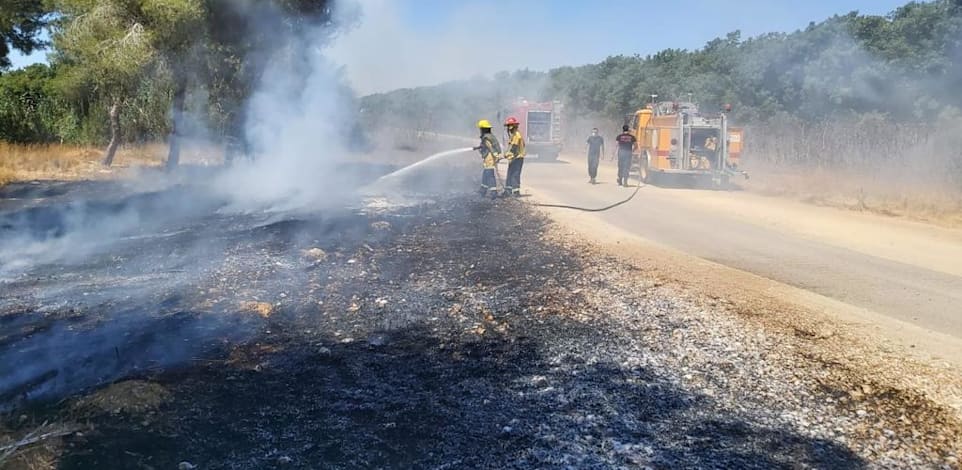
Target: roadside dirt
[
  {"x": 866, "y": 346},
  {"x": 904, "y": 272},
  {"x": 914, "y": 243}
]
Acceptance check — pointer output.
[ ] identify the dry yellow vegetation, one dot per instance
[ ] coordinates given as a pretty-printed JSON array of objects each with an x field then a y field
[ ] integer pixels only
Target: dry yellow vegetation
[
  {"x": 68, "y": 162},
  {"x": 860, "y": 192}
]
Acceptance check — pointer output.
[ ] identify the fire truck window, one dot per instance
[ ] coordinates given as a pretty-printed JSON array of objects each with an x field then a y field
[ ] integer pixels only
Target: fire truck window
[
  {"x": 700, "y": 136},
  {"x": 539, "y": 126}
]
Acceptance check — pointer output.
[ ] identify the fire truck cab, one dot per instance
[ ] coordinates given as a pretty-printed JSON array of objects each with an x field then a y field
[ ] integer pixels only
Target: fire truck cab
[{"x": 675, "y": 140}]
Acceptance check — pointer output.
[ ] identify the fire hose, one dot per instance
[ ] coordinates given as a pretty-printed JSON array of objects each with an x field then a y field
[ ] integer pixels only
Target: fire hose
[
  {"x": 497, "y": 175},
  {"x": 599, "y": 209}
]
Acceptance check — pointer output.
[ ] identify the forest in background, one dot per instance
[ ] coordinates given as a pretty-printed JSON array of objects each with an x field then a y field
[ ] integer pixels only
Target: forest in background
[
  {"x": 905, "y": 66},
  {"x": 855, "y": 91}
]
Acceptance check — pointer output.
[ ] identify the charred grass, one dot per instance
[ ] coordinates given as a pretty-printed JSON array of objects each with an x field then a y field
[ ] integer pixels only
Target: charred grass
[{"x": 445, "y": 335}]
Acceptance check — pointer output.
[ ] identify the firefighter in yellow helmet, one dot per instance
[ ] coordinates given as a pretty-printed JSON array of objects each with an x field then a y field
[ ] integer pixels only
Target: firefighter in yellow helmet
[
  {"x": 490, "y": 151},
  {"x": 515, "y": 156}
]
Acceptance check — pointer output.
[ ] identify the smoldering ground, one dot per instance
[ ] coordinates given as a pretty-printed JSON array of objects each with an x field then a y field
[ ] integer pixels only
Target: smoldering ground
[
  {"x": 104, "y": 280},
  {"x": 101, "y": 281},
  {"x": 449, "y": 334}
]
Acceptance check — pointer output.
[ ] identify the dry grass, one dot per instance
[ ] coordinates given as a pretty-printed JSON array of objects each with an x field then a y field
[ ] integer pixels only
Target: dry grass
[
  {"x": 131, "y": 396},
  {"x": 67, "y": 162},
  {"x": 930, "y": 203},
  {"x": 869, "y": 164}
]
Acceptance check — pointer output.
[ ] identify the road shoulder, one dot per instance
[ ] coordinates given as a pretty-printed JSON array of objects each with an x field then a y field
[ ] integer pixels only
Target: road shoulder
[{"x": 859, "y": 343}]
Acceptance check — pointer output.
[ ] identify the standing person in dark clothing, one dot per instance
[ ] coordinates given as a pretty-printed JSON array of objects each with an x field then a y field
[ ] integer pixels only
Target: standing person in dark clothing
[
  {"x": 596, "y": 148},
  {"x": 626, "y": 147}
]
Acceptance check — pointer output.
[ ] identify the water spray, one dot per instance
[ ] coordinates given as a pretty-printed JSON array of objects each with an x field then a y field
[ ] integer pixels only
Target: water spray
[
  {"x": 401, "y": 173},
  {"x": 394, "y": 176}
]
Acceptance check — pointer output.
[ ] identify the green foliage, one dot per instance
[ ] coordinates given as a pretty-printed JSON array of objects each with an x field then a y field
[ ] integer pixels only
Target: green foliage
[
  {"x": 20, "y": 21},
  {"x": 35, "y": 107},
  {"x": 28, "y": 111},
  {"x": 244, "y": 37},
  {"x": 137, "y": 54}
]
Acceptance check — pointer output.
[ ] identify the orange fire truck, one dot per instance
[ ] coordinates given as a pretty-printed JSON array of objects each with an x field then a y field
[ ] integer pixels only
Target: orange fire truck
[{"x": 675, "y": 140}]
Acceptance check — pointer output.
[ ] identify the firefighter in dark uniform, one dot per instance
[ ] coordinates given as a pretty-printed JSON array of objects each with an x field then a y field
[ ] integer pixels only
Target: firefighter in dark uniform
[
  {"x": 626, "y": 147},
  {"x": 515, "y": 156},
  {"x": 490, "y": 151}
]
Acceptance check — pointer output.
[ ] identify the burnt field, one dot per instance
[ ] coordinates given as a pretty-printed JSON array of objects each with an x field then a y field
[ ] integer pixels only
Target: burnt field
[{"x": 450, "y": 333}]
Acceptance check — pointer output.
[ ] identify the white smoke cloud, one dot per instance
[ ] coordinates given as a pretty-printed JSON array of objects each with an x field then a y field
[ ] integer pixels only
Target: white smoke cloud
[
  {"x": 299, "y": 119},
  {"x": 477, "y": 39}
]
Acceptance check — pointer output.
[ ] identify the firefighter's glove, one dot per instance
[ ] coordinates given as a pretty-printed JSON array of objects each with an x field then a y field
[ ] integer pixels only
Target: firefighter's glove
[{"x": 476, "y": 148}]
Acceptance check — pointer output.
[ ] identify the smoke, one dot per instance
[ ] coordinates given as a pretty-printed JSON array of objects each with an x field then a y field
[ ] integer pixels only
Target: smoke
[
  {"x": 105, "y": 280},
  {"x": 476, "y": 41},
  {"x": 888, "y": 121},
  {"x": 132, "y": 255},
  {"x": 72, "y": 231},
  {"x": 300, "y": 123},
  {"x": 300, "y": 118}
]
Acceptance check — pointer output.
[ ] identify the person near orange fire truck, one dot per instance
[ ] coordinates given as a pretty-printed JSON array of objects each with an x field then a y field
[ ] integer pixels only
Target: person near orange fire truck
[
  {"x": 626, "y": 147},
  {"x": 515, "y": 156},
  {"x": 490, "y": 151},
  {"x": 596, "y": 148},
  {"x": 711, "y": 148}
]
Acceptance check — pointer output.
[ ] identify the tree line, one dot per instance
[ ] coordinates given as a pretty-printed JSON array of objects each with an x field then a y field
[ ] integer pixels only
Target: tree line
[
  {"x": 131, "y": 70},
  {"x": 134, "y": 70},
  {"x": 906, "y": 65}
]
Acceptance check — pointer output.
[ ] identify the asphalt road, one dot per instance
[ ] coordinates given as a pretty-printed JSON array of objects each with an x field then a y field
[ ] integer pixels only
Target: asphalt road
[{"x": 910, "y": 272}]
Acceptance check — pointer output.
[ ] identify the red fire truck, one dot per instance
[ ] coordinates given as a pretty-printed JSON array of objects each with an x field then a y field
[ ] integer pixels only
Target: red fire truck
[{"x": 540, "y": 125}]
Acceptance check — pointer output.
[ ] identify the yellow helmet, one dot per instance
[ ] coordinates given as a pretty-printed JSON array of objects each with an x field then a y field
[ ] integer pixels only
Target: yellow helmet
[{"x": 484, "y": 124}]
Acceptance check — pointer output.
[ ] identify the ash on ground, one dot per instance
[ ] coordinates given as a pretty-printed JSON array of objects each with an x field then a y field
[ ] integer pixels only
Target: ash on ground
[{"x": 449, "y": 334}]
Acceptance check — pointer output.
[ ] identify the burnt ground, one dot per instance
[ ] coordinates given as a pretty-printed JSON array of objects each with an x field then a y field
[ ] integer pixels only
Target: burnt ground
[{"x": 447, "y": 334}]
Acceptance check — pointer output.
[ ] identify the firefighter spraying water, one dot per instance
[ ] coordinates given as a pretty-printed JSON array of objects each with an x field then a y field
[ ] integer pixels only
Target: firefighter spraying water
[{"x": 490, "y": 151}]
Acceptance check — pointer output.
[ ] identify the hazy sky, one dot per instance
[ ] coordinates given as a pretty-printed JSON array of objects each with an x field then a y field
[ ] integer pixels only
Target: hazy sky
[{"x": 403, "y": 43}]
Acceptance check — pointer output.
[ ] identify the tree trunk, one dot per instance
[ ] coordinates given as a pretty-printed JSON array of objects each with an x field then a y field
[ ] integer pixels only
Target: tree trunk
[
  {"x": 229, "y": 151},
  {"x": 173, "y": 156},
  {"x": 114, "y": 134}
]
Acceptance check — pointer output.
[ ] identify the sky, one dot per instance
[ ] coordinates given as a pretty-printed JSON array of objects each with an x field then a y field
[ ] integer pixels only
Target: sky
[{"x": 406, "y": 43}]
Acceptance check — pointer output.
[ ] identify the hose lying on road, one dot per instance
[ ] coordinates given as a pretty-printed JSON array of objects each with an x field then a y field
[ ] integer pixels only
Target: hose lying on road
[{"x": 600, "y": 209}]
